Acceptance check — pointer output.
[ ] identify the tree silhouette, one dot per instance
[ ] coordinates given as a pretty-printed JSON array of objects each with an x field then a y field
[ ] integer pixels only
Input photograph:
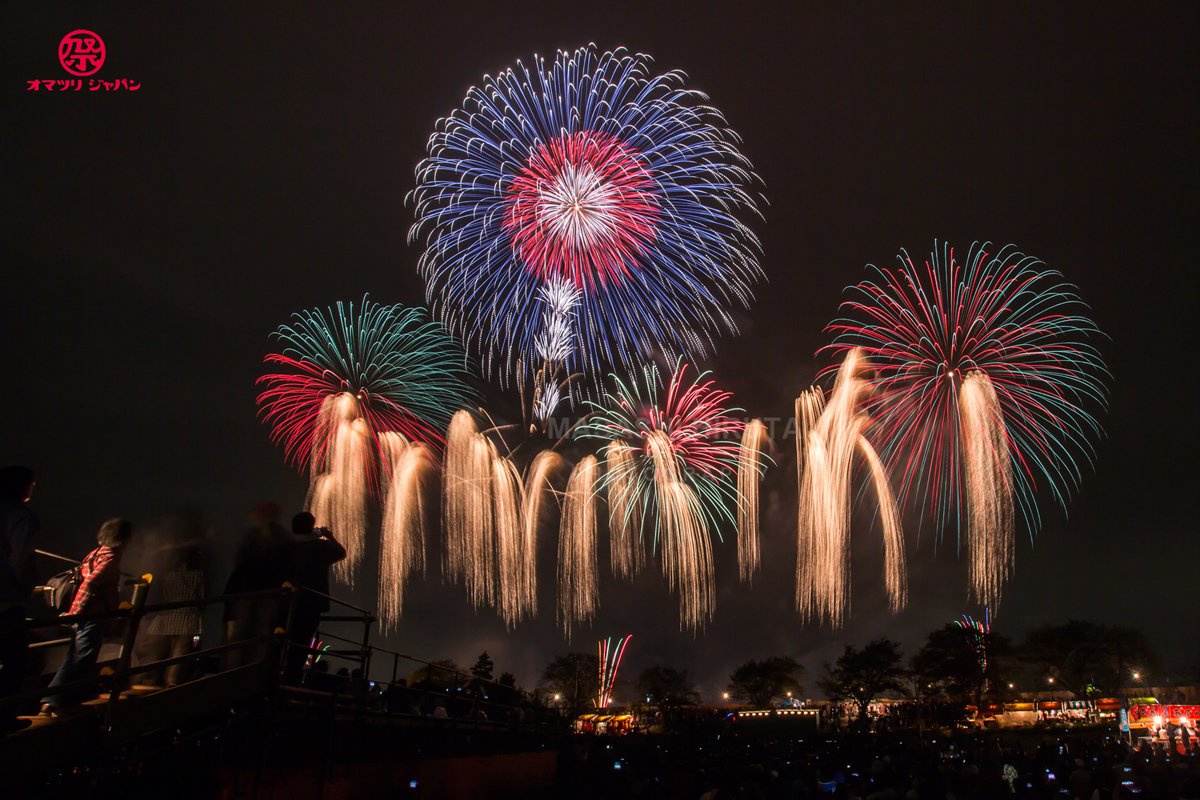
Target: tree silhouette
[
  {"x": 667, "y": 688},
  {"x": 760, "y": 682},
  {"x": 575, "y": 678},
  {"x": 860, "y": 675}
]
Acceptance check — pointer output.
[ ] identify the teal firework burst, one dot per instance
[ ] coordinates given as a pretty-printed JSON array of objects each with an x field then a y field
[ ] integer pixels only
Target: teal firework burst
[{"x": 405, "y": 373}]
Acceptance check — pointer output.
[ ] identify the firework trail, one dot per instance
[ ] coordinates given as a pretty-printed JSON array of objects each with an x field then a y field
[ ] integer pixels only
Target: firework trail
[
  {"x": 828, "y": 437},
  {"x": 675, "y": 464},
  {"x": 594, "y": 180},
  {"x": 538, "y": 491},
  {"x": 578, "y": 575},
  {"x": 470, "y": 536},
  {"x": 750, "y": 470},
  {"x": 627, "y": 551},
  {"x": 354, "y": 376},
  {"x": 991, "y": 529},
  {"x": 490, "y": 519},
  {"x": 402, "y": 538},
  {"x": 610, "y": 662},
  {"x": 514, "y": 569},
  {"x": 339, "y": 489},
  {"x": 981, "y": 374},
  {"x": 980, "y": 632}
]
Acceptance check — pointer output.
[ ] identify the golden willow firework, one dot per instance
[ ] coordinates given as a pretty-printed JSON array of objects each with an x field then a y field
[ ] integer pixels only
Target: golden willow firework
[
  {"x": 674, "y": 466},
  {"x": 751, "y": 465},
  {"x": 362, "y": 405},
  {"x": 491, "y": 518},
  {"x": 578, "y": 573},
  {"x": 981, "y": 376},
  {"x": 402, "y": 536},
  {"x": 828, "y": 436}
]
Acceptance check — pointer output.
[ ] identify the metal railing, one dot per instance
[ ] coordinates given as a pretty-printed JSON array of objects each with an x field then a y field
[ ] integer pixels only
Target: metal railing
[
  {"x": 461, "y": 695},
  {"x": 116, "y": 679}
]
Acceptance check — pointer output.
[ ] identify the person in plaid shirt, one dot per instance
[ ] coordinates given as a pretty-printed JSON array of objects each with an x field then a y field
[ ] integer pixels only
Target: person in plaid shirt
[{"x": 98, "y": 592}]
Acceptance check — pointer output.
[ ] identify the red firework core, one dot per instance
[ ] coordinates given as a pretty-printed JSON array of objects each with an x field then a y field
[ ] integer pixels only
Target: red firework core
[{"x": 582, "y": 209}]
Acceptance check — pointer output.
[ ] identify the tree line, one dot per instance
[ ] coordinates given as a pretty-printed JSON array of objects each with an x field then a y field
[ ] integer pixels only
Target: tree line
[{"x": 956, "y": 663}]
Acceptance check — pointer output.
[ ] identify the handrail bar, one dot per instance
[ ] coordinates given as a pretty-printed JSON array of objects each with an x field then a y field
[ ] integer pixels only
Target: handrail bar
[
  {"x": 241, "y": 644},
  {"x": 74, "y": 561},
  {"x": 70, "y": 619},
  {"x": 56, "y": 555},
  {"x": 98, "y": 678},
  {"x": 366, "y": 611}
]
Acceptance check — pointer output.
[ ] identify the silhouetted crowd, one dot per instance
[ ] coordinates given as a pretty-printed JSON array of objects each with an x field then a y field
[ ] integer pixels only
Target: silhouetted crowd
[
  {"x": 268, "y": 556},
  {"x": 870, "y": 766}
]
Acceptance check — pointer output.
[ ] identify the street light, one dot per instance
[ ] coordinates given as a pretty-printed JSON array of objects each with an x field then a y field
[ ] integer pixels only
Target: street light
[{"x": 725, "y": 695}]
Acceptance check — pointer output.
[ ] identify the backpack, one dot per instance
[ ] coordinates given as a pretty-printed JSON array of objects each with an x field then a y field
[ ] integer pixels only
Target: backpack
[{"x": 63, "y": 587}]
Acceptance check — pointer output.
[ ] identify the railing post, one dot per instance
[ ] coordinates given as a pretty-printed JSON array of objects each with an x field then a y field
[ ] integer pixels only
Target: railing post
[
  {"x": 285, "y": 650},
  {"x": 366, "y": 659},
  {"x": 140, "y": 590}
]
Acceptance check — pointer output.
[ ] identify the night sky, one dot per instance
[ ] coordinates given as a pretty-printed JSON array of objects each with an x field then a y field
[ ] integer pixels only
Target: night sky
[{"x": 152, "y": 240}]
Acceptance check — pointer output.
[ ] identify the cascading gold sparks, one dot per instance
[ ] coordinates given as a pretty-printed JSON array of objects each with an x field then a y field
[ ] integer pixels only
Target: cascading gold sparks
[
  {"x": 512, "y": 577},
  {"x": 991, "y": 527},
  {"x": 750, "y": 472},
  {"x": 895, "y": 570},
  {"x": 578, "y": 574},
  {"x": 828, "y": 435},
  {"x": 337, "y": 493},
  {"x": 402, "y": 540},
  {"x": 491, "y": 520},
  {"x": 538, "y": 489},
  {"x": 686, "y": 550},
  {"x": 627, "y": 550}
]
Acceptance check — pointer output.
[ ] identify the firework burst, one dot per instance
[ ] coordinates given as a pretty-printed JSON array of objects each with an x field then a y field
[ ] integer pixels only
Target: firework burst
[
  {"x": 675, "y": 465},
  {"x": 353, "y": 379},
  {"x": 593, "y": 175},
  {"x": 983, "y": 370}
]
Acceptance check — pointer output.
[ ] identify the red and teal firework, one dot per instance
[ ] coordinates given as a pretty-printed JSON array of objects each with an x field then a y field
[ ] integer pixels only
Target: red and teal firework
[
  {"x": 702, "y": 440},
  {"x": 925, "y": 330},
  {"x": 405, "y": 373},
  {"x": 594, "y": 172}
]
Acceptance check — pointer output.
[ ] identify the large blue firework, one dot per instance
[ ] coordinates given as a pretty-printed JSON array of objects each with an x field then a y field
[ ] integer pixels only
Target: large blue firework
[{"x": 594, "y": 173}]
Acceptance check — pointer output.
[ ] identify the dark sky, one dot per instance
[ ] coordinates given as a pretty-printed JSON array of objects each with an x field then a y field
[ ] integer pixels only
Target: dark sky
[{"x": 153, "y": 239}]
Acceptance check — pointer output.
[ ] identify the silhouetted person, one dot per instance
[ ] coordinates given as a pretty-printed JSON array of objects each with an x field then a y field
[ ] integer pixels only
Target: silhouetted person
[
  {"x": 264, "y": 561},
  {"x": 170, "y": 634},
  {"x": 99, "y": 591},
  {"x": 19, "y": 529},
  {"x": 314, "y": 551}
]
